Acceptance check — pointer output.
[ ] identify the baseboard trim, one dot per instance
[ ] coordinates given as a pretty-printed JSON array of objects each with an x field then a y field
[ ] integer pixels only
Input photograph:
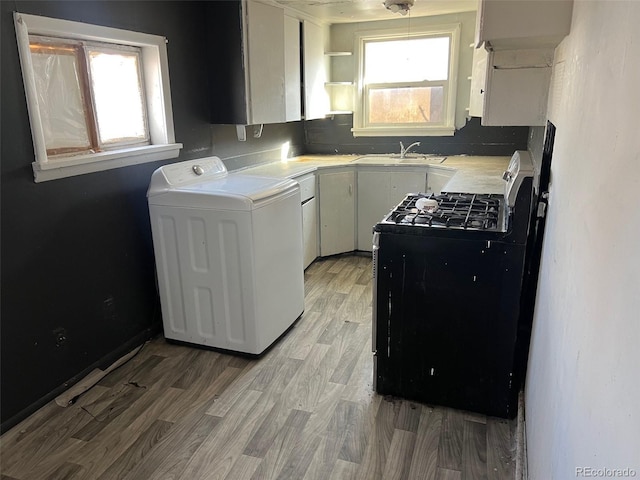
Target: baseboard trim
[
  {"x": 105, "y": 360},
  {"x": 521, "y": 441}
]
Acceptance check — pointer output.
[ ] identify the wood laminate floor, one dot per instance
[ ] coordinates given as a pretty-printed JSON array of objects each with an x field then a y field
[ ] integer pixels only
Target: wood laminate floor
[{"x": 305, "y": 410}]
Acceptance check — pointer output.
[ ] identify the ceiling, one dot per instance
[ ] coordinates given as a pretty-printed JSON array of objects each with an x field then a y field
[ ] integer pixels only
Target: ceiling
[{"x": 348, "y": 11}]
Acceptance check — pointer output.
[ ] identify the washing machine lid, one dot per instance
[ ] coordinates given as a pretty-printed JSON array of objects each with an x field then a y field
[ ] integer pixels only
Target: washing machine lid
[{"x": 230, "y": 192}]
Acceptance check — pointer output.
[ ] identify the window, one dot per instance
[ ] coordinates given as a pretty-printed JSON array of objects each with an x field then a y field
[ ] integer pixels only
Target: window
[
  {"x": 98, "y": 97},
  {"x": 406, "y": 82}
]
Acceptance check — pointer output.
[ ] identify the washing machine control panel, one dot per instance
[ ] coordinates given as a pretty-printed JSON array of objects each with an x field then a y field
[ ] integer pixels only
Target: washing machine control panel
[
  {"x": 184, "y": 173},
  {"x": 201, "y": 168}
]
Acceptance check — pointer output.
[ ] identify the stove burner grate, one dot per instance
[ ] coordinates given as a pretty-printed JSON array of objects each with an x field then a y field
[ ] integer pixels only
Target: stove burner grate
[{"x": 455, "y": 210}]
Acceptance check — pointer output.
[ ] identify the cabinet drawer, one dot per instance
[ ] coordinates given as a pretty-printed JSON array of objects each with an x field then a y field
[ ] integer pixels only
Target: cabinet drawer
[{"x": 307, "y": 186}]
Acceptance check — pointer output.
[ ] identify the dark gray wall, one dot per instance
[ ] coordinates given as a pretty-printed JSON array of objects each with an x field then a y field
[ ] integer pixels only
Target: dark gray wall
[
  {"x": 76, "y": 253},
  {"x": 333, "y": 135}
]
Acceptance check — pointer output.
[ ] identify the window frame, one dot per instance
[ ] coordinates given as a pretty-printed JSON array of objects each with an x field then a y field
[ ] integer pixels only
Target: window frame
[
  {"x": 361, "y": 127},
  {"x": 155, "y": 69}
]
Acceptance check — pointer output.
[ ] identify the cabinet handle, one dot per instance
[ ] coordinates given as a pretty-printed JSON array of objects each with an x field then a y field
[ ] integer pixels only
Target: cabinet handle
[
  {"x": 481, "y": 91},
  {"x": 350, "y": 189}
]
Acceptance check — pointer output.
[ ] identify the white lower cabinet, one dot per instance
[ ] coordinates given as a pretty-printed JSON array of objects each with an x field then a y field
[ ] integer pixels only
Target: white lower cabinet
[
  {"x": 309, "y": 231},
  {"x": 437, "y": 178},
  {"x": 379, "y": 191},
  {"x": 337, "y": 212}
]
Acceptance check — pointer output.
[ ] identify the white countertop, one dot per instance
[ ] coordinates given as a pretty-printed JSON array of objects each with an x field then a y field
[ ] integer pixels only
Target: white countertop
[{"x": 473, "y": 174}]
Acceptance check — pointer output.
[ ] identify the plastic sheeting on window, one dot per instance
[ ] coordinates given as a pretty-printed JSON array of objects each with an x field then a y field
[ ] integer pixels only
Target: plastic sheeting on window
[{"x": 60, "y": 101}]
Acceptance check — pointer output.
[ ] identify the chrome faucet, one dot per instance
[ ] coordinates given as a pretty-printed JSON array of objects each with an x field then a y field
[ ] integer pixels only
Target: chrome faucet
[{"x": 404, "y": 151}]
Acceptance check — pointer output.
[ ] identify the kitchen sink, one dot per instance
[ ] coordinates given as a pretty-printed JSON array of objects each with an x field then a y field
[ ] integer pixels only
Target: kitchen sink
[{"x": 396, "y": 160}]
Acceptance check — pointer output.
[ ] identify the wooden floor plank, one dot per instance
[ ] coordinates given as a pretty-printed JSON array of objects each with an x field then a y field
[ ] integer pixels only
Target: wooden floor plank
[
  {"x": 447, "y": 474},
  {"x": 375, "y": 456},
  {"x": 306, "y": 410},
  {"x": 52, "y": 465},
  {"x": 409, "y": 416},
  {"x": 118, "y": 437},
  {"x": 343, "y": 470},
  {"x": 451, "y": 435},
  {"x": 399, "y": 457},
  {"x": 138, "y": 450},
  {"x": 244, "y": 468},
  {"x": 356, "y": 440},
  {"x": 474, "y": 451},
  {"x": 223, "y": 437},
  {"x": 281, "y": 447},
  {"x": 424, "y": 462},
  {"x": 43, "y": 442},
  {"x": 324, "y": 460},
  {"x": 170, "y": 457},
  {"x": 125, "y": 397},
  {"x": 500, "y": 449},
  {"x": 354, "y": 336}
]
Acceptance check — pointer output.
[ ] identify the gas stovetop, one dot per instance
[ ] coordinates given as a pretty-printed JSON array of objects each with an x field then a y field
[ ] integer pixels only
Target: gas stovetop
[{"x": 464, "y": 211}]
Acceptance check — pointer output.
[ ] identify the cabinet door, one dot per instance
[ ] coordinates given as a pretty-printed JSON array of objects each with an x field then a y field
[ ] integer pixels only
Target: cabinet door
[
  {"x": 265, "y": 57},
  {"x": 337, "y": 213},
  {"x": 436, "y": 180},
  {"x": 316, "y": 99},
  {"x": 517, "y": 96},
  {"x": 309, "y": 231},
  {"x": 478, "y": 82},
  {"x": 403, "y": 182},
  {"x": 517, "y": 87},
  {"x": 378, "y": 193},
  {"x": 373, "y": 203},
  {"x": 293, "y": 101}
]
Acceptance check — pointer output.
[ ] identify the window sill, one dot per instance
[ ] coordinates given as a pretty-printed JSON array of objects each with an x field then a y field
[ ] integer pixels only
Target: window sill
[
  {"x": 403, "y": 132},
  {"x": 97, "y": 162}
]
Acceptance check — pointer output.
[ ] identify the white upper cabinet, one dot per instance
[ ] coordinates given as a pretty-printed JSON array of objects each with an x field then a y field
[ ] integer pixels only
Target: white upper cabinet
[
  {"x": 292, "y": 99},
  {"x": 512, "y": 64},
  {"x": 265, "y": 70},
  {"x": 256, "y": 73},
  {"x": 518, "y": 24},
  {"x": 316, "y": 99},
  {"x": 513, "y": 88}
]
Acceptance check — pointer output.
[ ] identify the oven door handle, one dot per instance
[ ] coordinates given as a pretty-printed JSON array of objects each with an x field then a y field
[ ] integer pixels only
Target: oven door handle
[{"x": 374, "y": 297}]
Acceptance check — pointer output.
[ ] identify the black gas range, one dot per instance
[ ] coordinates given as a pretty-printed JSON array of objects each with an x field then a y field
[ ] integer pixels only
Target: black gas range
[
  {"x": 448, "y": 274},
  {"x": 462, "y": 211}
]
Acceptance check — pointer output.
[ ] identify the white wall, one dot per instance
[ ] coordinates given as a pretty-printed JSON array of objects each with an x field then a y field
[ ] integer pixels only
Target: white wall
[{"x": 583, "y": 386}]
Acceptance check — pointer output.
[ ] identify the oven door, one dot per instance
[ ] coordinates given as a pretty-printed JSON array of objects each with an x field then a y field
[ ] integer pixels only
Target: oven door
[{"x": 446, "y": 312}]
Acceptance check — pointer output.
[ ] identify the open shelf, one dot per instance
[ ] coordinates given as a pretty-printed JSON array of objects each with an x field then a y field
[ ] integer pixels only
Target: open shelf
[{"x": 337, "y": 54}]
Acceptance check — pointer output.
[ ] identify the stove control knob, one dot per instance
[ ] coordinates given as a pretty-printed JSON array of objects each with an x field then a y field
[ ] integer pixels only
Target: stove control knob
[
  {"x": 507, "y": 175},
  {"x": 198, "y": 170}
]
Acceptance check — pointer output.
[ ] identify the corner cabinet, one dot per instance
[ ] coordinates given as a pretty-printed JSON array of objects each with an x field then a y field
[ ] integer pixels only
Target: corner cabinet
[
  {"x": 379, "y": 191},
  {"x": 255, "y": 64}
]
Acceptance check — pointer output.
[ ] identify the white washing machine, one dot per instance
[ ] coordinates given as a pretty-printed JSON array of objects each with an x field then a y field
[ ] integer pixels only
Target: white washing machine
[{"x": 228, "y": 251}]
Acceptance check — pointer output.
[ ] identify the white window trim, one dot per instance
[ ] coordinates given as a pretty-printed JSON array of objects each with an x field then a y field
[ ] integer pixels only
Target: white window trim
[
  {"x": 359, "y": 125},
  {"x": 158, "y": 96}
]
